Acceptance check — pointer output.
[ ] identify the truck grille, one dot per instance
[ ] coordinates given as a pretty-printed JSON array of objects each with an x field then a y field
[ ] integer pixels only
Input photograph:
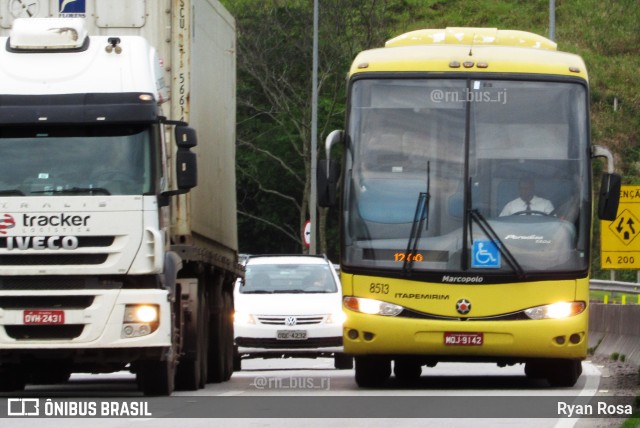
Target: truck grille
[
  {"x": 53, "y": 259},
  {"x": 44, "y": 332},
  {"x": 83, "y": 241},
  {"x": 282, "y": 319},
  {"x": 45, "y": 302}
]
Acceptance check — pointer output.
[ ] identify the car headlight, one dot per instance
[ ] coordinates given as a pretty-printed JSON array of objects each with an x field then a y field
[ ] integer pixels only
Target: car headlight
[
  {"x": 338, "y": 317},
  {"x": 243, "y": 318},
  {"x": 371, "y": 306},
  {"x": 556, "y": 310}
]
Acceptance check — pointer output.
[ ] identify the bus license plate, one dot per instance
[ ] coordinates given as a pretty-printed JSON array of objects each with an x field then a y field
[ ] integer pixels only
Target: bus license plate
[
  {"x": 463, "y": 339},
  {"x": 292, "y": 334},
  {"x": 43, "y": 317}
]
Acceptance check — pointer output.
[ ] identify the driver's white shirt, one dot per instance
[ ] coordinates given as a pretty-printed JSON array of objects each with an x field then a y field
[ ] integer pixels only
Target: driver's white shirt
[{"x": 536, "y": 204}]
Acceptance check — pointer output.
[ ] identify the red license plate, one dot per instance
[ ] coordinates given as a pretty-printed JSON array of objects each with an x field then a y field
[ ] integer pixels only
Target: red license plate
[
  {"x": 463, "y": 339},
  {"x": 43, "y": 317}
]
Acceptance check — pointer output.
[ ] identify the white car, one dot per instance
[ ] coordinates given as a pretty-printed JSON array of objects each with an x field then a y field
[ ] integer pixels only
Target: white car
[{"x": 289, "y": 306}]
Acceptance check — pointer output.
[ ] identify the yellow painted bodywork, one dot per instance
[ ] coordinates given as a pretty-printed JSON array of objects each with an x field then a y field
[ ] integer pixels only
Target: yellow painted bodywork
[
  {"x": 502, "y": 339},
  {"x": 501, "y": 51},
  {"x": 466, "y": 51}
]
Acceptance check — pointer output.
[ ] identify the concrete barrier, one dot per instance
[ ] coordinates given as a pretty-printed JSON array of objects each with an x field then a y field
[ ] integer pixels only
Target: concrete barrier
[{"x": 615, "y": 328}]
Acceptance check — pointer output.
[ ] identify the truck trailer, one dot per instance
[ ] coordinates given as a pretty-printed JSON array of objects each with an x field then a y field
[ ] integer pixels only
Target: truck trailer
[{"x": 117, "y": 251}]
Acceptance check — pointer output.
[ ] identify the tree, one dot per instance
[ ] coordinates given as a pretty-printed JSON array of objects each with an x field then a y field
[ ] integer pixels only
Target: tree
[{"x": 274, "y": 107}]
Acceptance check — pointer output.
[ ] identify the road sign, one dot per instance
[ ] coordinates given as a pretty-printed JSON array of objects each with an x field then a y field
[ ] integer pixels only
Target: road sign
[
  {"x": 306, "y": 233},
  {"x": 620, "y": 245}
]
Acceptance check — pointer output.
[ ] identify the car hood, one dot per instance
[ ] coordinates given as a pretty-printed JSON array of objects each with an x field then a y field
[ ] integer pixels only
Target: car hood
[{"x": 288, "y": 304}]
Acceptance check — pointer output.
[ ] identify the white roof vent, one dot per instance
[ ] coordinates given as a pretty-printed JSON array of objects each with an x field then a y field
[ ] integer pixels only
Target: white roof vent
[{"x": 47, "y": 33}]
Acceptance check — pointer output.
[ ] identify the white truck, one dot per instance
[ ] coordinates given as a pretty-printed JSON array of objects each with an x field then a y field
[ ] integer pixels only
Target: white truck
[{"x": 116, "y": 251}]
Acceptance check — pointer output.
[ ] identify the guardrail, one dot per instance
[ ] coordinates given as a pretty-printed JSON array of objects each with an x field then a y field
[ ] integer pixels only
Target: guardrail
[{"x": 617, "y": 286}]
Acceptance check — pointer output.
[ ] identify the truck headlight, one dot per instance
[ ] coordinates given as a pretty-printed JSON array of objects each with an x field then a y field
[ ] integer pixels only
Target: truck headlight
[
  {"x": 556, "y": 310},
  {"x": 140, "y": 320},
  {"x": 371, "y": 306}
]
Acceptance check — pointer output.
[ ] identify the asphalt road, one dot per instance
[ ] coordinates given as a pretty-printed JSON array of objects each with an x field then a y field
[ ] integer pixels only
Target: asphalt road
[{"x": 283, "y": 393}]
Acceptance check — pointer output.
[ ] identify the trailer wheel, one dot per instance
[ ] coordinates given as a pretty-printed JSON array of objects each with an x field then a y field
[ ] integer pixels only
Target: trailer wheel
[
  {"x": 343, "y": 361},
  {"x": 372, "y": 371}
]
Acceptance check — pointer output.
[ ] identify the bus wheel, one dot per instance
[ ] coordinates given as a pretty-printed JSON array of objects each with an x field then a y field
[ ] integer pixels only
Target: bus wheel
[
  {"x": 564, "y": 373},
  {"x": 407, "y": 371},
  {"x": 372, "y": 371}
]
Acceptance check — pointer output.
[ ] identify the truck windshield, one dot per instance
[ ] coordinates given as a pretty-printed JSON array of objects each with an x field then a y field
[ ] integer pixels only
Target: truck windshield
[
  {"x": 114, "y": 160},
  {"x": 486, "y": 177}
]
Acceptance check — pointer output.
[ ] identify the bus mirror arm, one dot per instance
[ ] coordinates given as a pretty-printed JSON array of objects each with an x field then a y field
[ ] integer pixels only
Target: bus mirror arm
[
  {"x": 328, "y": 173},
  {"x": 609, "y": 197}
]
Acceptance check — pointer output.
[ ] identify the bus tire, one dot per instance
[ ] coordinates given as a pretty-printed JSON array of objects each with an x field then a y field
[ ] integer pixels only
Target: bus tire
[
  {"x": 372, "y": 371},
  {"x": 407, "y": 371},
  {"x": 564, "y": 373}
]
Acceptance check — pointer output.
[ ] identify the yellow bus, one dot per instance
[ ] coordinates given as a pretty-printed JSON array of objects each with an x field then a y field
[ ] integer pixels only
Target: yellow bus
[{"x": 465, "y": 198}]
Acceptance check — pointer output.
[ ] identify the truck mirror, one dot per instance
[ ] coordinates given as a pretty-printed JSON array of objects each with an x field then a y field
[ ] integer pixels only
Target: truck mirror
[
  {"x": 327, "y": 184},
  {"x": 186, "y": 169},
  {"x": 609, "y": 196},
  {"x": 185, "y": 137}
]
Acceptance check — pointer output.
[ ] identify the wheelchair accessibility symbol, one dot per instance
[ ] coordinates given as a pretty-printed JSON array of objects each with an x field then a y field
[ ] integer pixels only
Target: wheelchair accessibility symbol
[{"x": 485, "y": 254}]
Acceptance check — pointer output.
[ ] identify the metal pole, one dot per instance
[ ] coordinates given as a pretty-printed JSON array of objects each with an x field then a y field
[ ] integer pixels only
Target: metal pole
[
  {"x": 552, "y": 20},
  {"x": 314, "y": 134}
]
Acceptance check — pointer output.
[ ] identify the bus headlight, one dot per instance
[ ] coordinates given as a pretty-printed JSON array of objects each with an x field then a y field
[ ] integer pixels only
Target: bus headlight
[
  {"x": 556, "y": 310},
  {"x": 371, "y": 306}
]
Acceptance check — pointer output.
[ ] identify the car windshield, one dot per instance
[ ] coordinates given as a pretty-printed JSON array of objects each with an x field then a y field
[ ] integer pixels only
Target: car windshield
[{"x": 288, "y": 278}]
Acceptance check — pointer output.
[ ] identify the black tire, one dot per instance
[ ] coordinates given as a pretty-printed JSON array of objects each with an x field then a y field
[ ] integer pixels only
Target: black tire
[
  {"x": 535, "y": 370},
  {"x": 407, "y": 371},
  {"x": 191, "y": 373},
  {"x": 237, "y": 360},
  {"x": 372, "y": 371},
  {"x": 343, "y": 362},
  {"x": 229, "y": 349},
  {"x": 217, "y": 333},
  {"x": 564, "y": 373},
  {"x": 12, "y": 378},
  {"x": 156, "y": 378}
]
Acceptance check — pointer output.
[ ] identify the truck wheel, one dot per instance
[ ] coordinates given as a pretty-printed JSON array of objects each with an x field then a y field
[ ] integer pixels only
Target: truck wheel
[
  {"x": 12, "y": 378},
  {"x": 191, "y": 373},
  {"x": 228, "y": 344},
  {"x": 372, "y": 371},
  {"x": 217, "y": 339},
  {"x": 156, "y": 378},
  {"x": 564, "y": 373}
]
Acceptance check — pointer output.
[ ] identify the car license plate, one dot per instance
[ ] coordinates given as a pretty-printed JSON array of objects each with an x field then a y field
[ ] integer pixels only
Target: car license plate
[
  {"x": 463, "y": 339},
  {"x": 43, "y": 317},
  {"x": 292, "y": 334}
]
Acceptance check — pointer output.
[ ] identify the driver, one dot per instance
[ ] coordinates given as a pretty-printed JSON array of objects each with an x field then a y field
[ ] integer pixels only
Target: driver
[{"x": 527, "y": 202}]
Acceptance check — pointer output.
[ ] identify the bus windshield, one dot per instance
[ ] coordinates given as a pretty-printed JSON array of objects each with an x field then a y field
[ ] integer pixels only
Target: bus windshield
[
  {"x": 467, "y": 175},
  {"x": 91, "y": 160}
]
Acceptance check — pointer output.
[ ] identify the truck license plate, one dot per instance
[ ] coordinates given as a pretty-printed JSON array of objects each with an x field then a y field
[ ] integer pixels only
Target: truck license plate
[
  {"x": 43, "y": 317},
  {"x": 292, "y": 334},
  {"x": 463, "y": 339}
]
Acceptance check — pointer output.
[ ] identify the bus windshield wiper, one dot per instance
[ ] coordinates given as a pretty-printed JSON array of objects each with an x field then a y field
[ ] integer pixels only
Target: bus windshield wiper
[
  {"x": 420, "y": 220},
  {"x": 100, "y": 190},
  {"x": 11, "y": 192}
]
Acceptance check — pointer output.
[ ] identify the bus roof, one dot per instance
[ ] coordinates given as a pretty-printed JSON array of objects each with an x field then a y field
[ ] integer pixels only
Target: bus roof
[{"x": 458, "y": 49}]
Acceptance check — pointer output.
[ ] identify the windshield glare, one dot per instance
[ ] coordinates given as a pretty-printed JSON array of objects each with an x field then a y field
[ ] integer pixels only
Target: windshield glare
[
  {"x": 456, "y": 175},
  {"x": 111, "y": 160},
  {"x": 288, "y": 278}
]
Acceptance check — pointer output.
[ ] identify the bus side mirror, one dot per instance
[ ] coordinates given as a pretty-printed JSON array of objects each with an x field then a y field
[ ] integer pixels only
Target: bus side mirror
[
  {"x": 609, "y": 196},
  {"x": 328, "y": 183},
  {"x": 186, "y": 160}
]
